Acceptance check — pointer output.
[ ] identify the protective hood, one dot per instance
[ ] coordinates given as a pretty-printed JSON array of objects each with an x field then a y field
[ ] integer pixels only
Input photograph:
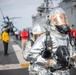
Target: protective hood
[
  {"x": 58, "y": 18},
  {"x": 37, "y": 29}
]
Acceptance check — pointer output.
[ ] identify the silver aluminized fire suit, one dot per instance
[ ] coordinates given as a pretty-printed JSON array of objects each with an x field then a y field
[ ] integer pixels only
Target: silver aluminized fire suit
[
  {"x": 38, "y": 63},
  {"x": 58, "y": 27}
]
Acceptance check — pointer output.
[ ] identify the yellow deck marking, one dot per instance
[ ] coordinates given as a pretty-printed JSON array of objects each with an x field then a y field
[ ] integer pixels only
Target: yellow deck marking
[{"x": 25, "y": 65}]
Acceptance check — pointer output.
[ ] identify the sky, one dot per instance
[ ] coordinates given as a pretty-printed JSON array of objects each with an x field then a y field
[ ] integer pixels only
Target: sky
[{"x": 24, "y": 9}]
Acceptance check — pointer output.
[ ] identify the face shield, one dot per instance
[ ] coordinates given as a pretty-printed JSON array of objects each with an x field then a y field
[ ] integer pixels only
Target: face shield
[{"x": 59, "y": 19}]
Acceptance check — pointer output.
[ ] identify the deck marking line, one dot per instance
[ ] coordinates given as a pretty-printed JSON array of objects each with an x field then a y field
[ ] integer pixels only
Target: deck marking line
[
  {"x": 10, "y": 66},
  {"x": 13, "y": 66},
  {"x": 19, "y": 55}
]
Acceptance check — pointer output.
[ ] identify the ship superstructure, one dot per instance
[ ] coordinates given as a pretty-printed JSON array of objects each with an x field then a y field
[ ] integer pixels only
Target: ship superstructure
[
  {"x": 42, "y": 11},
  {"x": 70, "y": 8}
]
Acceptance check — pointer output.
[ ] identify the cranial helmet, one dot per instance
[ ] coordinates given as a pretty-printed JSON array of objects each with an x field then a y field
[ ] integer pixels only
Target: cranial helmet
[{"x": 59, "y": 19}]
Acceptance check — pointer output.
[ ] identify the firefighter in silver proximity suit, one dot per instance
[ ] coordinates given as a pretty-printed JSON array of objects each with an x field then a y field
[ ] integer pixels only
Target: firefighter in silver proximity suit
[
  {"x": 37, "y": 30},
  {"x": 60, "y": 49}
]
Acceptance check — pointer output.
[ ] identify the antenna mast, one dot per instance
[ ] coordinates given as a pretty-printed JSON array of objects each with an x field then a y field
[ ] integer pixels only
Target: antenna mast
[
  {"x": 2, "y": 14},
  {"x": 47, "y": 5}
]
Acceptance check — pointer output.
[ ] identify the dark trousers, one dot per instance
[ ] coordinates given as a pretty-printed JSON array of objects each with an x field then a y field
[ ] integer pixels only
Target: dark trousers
[
  {"x": 5, "y": 47},
  {"x": 16, "y": 36},
  {"x": 75, "y": 42}
]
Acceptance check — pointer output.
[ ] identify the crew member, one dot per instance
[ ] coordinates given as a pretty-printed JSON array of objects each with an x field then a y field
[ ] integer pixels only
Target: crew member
[
  {"x": 24, "y": 38},
  {"x": 5, "y": 38},
  {"x": 37, "y": 31}
]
